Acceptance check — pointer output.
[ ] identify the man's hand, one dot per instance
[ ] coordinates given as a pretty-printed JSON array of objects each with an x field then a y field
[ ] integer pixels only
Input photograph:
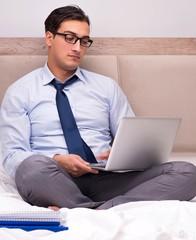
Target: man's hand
[
  {"x": 104, "y": 156},
  {"x": 74, "y": 165}
]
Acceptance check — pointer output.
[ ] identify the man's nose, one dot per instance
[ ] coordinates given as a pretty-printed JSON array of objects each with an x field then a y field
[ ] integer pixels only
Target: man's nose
[{"x": 77, "y": 46}]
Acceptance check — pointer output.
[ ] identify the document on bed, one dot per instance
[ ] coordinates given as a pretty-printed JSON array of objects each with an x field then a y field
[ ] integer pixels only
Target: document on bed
[{"x": 33, "y": 220}]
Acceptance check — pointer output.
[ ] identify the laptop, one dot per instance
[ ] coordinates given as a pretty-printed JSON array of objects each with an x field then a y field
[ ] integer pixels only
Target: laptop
[{"x": 140, "y": 143}]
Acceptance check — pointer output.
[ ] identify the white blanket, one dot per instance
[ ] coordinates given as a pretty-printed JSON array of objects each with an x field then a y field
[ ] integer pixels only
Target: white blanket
[{"x": 161, "y": 220}]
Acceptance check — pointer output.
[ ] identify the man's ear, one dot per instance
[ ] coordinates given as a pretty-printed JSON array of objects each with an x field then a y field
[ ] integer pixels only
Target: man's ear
[{"x": 48, "y": 38}]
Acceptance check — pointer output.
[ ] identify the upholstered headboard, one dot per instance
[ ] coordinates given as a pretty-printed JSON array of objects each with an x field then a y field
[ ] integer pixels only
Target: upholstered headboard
[{"x": 158, "y": 75}]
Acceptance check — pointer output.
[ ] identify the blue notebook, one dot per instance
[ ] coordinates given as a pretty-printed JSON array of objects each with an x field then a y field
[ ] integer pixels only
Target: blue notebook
[{"x": 28, "y": 221}]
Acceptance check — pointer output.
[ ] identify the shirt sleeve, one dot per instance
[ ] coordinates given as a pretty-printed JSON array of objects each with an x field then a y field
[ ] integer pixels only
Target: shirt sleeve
[
  {"x": 119, "y": 107},
  {"x": 15, "y": 130}
]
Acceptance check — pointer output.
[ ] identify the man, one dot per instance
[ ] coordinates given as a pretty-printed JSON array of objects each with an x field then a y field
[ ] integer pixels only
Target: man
[{"x": 38, "y": 156}]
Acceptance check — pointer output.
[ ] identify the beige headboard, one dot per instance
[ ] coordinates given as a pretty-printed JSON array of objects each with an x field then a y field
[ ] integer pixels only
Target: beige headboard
[{"x": 158, "y": 75}]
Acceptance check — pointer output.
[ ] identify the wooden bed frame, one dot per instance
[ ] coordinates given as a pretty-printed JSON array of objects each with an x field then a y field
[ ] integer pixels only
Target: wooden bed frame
[{"x": 106, "y": 46}]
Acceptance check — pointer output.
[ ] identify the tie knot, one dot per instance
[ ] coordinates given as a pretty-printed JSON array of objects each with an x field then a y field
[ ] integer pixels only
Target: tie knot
[
  {"x": 60, "y": 86},
  {"x": 57, "y": 85}
]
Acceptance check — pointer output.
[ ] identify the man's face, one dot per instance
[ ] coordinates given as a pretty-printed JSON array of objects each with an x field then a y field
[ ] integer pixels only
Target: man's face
[{"x": 63, "y": 55}]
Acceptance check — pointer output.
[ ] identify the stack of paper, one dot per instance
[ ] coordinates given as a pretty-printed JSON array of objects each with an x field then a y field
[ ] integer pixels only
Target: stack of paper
[{"x": 49, "y": 220}]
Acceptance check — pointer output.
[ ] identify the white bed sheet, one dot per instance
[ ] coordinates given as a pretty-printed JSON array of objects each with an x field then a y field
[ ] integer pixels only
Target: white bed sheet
[
  {"x": 163, "y": 220},
  {"x": 148, "y": 220}
]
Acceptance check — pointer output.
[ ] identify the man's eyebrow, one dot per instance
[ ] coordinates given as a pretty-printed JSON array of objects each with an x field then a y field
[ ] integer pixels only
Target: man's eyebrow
[{"x": 73, "y": 33}]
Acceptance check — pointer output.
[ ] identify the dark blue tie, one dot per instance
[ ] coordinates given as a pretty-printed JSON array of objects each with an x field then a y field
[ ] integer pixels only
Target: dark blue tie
[{"x": 75, "y": 144}]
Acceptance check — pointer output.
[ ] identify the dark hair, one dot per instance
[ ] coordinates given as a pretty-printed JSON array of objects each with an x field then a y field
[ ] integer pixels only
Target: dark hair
[{"x": 59, "y": 15}]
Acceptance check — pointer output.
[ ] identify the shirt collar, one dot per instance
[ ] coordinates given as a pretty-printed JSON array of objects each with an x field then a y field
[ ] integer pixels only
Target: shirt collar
[{"x": 48, "y": 76}]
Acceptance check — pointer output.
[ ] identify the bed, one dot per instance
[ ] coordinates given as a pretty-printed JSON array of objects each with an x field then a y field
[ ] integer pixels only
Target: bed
[{"x": 143, "y": 67}]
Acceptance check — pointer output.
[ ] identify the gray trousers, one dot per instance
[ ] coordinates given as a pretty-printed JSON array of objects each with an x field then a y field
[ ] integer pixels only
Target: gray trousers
[{"x": 42, "y": 182}]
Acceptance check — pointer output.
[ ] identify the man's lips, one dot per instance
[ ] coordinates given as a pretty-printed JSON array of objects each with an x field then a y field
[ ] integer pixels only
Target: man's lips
[{"x": 75, "y": 56}]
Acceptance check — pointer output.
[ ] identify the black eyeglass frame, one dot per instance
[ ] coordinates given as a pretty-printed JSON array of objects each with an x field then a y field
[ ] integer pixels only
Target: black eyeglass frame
[{"x": 90, "y": 41}]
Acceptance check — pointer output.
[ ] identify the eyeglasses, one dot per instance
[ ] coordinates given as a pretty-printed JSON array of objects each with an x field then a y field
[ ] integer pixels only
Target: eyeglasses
[{"x": 72, "y": 39}]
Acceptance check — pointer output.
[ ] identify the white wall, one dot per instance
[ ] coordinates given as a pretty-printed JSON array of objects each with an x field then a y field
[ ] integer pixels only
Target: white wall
[{"x": 109, "y": 18}]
